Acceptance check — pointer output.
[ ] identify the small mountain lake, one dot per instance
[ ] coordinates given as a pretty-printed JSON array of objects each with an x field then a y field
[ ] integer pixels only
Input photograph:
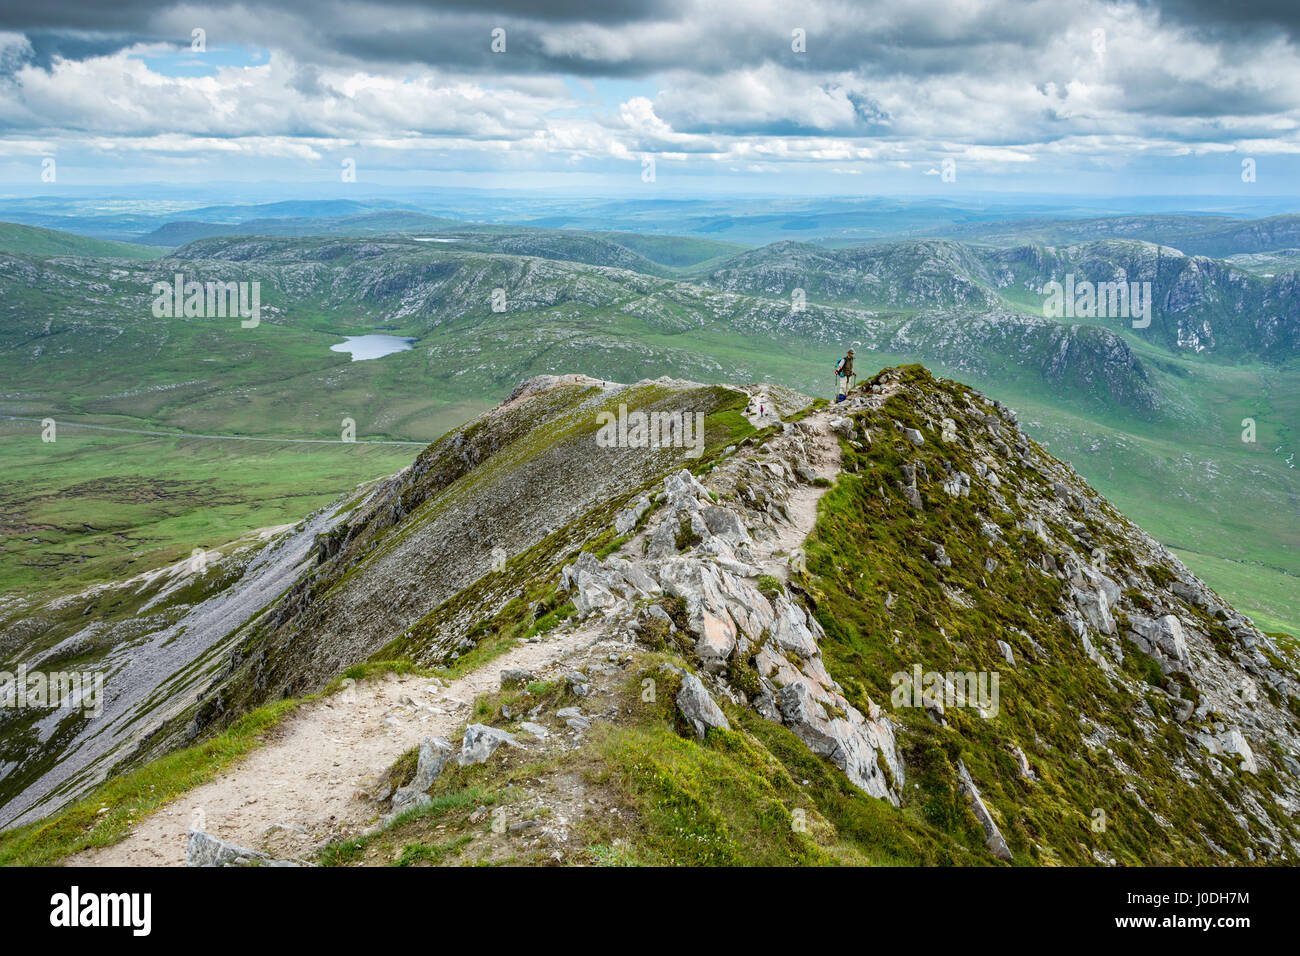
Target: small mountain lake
[{"x": 365, "y": 347}]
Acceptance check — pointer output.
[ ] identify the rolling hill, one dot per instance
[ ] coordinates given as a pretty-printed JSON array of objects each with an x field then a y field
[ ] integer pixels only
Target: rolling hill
[{"x": 34, "y": 241}]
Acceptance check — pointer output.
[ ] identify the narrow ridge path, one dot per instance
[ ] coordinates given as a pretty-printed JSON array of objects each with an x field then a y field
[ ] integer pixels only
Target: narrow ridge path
[{"x": 300, "y": 787}]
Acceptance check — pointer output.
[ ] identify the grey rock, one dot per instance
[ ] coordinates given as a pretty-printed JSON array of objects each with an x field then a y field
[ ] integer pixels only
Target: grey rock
[
  {"x": 993, "y": 838},
  {"x": 434, "y": 753},
  {"x": 1233, "y": 742},
  {"x": 958, "y": 485},
  {"x": 1022, "y": 762},
  {"x": 577, "y": 683},
  {"x": 726, "y": 524},
  {"x": 1163, "y": 637},
  {"x": 852, "y": 742},
  {"x": 1189, "y": 593},
  {"x": 1092, "y": 603},
  {"x": 203, "y": 849},
  {"x": 698, "y": 707},
  {"x": 481, "y": 741},
  {"x": 663, "y": 541},
  {"x": 626, "y": 519},
  {"x": 654, "y": 610}
]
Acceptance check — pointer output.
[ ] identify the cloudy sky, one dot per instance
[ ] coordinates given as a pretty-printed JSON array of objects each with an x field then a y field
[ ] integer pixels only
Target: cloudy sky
[{"x": 827, "y": 96}]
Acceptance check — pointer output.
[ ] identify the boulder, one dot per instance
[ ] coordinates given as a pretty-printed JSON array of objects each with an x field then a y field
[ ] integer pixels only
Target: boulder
[
  {"x": 790, "y": 629},
  {"x": 698, "y": 707},
  {"x": 434, "y": 753},
  {"x": 1189, "y": 593},
  {"x": 852, "y": 742},
  {"x": 203, "y": 849},
  {"x": 841, "y": 426},
  {"x": 684, "y": 491},
  {"x": 577, "y": 683},
  {"x": 1233, "y": 742},
  {"x": 1163, "y": 639},
  {"x": 958, "y": 485},
  {"x": 726, "y": 524},
  {"x": 626, "y": 519},
  {"x": 663, "y": 543},
  {"x": 1092, "y": 603},
  {"x": 481, "y": 741}
]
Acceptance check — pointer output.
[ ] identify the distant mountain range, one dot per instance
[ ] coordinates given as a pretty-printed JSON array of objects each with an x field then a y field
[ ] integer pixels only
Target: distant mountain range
[
  {"x": 1227, "y": 227},
  {"x": 1198, "y": 304}
]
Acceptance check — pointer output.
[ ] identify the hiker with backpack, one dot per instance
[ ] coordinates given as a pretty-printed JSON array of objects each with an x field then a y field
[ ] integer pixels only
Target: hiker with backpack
[{"x": 843, "y": 376}]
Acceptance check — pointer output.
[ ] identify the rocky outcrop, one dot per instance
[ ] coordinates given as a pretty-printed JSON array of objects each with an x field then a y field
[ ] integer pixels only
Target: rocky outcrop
[
  {"x": 698, "y": 707},
  {"x": 703, "y": 553},
  {"x": 434, "y": 753},
  {"x": 1163, "y": 639},
  {"x": 993, "y": 838},
  {"x": 203, "y": 849}
]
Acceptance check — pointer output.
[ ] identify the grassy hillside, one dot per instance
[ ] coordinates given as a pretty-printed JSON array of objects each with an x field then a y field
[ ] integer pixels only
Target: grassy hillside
[{"x": 34, "y": 241}]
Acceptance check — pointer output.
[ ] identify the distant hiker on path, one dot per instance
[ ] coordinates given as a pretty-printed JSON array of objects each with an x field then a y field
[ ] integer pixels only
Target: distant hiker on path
[{"x": 843, "y": 373}]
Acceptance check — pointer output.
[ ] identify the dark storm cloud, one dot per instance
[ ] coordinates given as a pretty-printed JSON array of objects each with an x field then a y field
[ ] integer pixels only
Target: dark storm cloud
[
  {"x": 453, "y": 34},
  {"x": 49, "y": 46},
  {"x": 141, "y": 16},
  {"x": 1215, "y": 17},
  {"x": 918, "y": 39}
]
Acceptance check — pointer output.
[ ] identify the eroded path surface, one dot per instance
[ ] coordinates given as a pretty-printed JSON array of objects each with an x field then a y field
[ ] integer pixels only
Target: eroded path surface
[{"x": 299, "y": 790}]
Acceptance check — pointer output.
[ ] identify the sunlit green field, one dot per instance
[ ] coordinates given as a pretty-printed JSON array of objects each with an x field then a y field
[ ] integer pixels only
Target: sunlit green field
[{"x": 95, "y": 506}]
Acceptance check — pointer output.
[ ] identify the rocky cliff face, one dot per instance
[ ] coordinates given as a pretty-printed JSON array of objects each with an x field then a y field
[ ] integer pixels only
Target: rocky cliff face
[{"x": 1199, "y": 305}]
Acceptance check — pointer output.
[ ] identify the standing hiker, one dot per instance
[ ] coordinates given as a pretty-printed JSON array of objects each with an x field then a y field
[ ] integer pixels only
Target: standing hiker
[{"x": 843, "y": 375}]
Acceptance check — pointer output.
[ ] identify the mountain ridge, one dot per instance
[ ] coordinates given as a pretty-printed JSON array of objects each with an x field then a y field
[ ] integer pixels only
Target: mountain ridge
[{"x": 945, "y": 538}]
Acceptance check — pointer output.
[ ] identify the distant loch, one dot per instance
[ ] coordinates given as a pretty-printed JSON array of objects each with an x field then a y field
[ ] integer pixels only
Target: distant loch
[{"x": 365, "y": 347}]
